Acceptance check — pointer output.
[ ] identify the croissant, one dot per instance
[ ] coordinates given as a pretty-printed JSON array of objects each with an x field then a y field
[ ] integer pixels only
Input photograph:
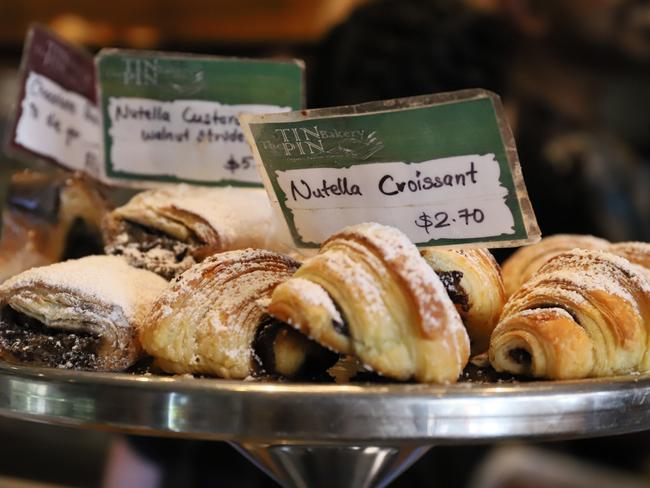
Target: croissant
[
  {"x": 525, "y": 262},
  {"x": 48, "y": 218},
  {"x": 635, "y": 252},
  {"x": 80, "y": 314},
  {"x": 369, "y": 293},
  {"x": 584, "y": 314},
  {"x": 167, "y": 231},
  {"x": 209, "y": 321},
  {"x": 473, "y": 281}
]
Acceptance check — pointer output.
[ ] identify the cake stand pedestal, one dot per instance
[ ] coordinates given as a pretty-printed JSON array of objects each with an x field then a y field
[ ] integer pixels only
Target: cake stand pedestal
[{"x": 327, "y": 435}]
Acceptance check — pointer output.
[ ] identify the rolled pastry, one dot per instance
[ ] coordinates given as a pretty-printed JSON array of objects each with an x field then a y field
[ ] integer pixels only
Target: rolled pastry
[
  {"x": 369, "y": 293},
  {"x": 635, "y": 252},
  {"x": 473, "y": 281},
  {"x": 584, "y": 314},
  {"x": 80, "y": 314},
  {"x": 47, "y": 218},
  {"x": 210, "y": 321},
  {"x": 525, "y": 262},
  {"x": 167, "y": 231}
]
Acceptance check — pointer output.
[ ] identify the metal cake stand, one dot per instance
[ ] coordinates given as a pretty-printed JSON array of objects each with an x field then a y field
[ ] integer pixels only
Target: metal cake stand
[{"x": 327, "y": 435}]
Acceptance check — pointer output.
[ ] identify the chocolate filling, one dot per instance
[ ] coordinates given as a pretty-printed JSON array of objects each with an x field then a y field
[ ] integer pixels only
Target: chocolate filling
[
  {"x": 148, "y": 238},
  {"x": 341, "y": 326},
  {"x": 521, "y": 356},
  {"x": 451, "y": 282},
  {"x": 27, "y": 340},
  {"x": 317, "y": 359}
]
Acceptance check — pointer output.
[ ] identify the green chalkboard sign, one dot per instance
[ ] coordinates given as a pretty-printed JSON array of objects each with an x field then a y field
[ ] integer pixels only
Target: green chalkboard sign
[
  {"x": 174, "y": 117},
  {"x": 443, "y": 168}
]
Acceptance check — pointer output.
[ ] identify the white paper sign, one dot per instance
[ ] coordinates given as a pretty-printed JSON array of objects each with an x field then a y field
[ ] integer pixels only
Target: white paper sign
[
  {"x": 59, "y": 124},
  {"x": 449, "y": 198},
  {"x": 151, "y": 137}
]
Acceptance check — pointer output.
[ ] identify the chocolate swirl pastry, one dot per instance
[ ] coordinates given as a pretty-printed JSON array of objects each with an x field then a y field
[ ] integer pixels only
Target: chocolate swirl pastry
[
  {"x": 370, "y": 294},
  {"x": 210, "y": 322},
  {"x": 473, "y": 281},
  {"x": 47, "y": 218},
  {"x": 584, "y": 314},
  {"x": 524, "y": 263},
  {"x": 80, "y": 314},
  {"x": 635, "y": 252},
  {"x": 168, "y": 231}
]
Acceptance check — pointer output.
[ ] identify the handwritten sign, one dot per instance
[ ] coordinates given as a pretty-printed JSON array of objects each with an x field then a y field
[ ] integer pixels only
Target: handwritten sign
[
  {"x": 442, "y": 168},
  {"x": 57, "y": 116},
  {"x": 174, "y": 118}
]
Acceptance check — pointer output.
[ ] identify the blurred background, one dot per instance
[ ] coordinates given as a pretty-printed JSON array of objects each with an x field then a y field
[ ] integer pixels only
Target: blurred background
[{"x": 575, "y": 80}]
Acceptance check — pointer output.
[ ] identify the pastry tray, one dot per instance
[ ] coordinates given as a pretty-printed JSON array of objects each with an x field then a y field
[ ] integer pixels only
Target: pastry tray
[{"x": 252, "y": 411}]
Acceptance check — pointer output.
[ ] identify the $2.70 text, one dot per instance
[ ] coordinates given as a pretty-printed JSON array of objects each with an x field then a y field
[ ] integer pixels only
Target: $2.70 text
[{"x": 442, "y": 219}]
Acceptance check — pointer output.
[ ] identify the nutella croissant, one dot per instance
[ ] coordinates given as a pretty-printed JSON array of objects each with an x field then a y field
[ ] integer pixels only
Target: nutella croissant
[
  {"x": 48, "y": 218},
  {"x": 209, "y": 321},
  {"x": 635, "y": 252},
  {"x": 525, "y": 262},
  {"x": 369, "y": 293},
  {"x": 584, "y": 314},
  {"x": 473, "y": 281},
  {"x": 167, "y": 231},
  {"x": 80, "y": 314}
]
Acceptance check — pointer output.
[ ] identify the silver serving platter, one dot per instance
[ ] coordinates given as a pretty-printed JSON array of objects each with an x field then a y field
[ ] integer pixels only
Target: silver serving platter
[{"x": 260, "y": 412}]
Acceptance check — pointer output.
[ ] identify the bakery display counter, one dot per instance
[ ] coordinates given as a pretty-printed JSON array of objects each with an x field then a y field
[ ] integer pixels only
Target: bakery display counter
[{"x": 325, "y": 434}]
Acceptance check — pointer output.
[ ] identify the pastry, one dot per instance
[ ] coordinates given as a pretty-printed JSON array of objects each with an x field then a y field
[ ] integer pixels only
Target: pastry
[
  {"x": 80, "y": 314},
  {"x": 370, "y": 294},
  {"x": 473, "y": 281},
  {"x": 167, "y": 231},
  {"x": 48, "y": 218},
  {"x": 635, "y": 252},
  {"x": 524, "y": 263},
  {"x": 584, "y": 314},
  {"x": 210, "y": 321}
]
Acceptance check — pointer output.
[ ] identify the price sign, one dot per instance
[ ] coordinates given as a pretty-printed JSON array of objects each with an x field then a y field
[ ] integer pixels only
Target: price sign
[
  {"x": 57, "y": 116},
  {"x": 442, "y": 168},
  {"x": 174, "y": 118}
]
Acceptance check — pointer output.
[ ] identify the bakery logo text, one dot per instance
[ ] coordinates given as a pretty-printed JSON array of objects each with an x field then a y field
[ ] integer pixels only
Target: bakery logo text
[
  {"x": 140, "y": 72},
  {"x": 315, "y": 143}
]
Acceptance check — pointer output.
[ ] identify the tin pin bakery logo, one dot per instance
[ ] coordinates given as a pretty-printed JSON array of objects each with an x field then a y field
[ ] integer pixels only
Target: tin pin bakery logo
[{"x": 316, "y": 142}]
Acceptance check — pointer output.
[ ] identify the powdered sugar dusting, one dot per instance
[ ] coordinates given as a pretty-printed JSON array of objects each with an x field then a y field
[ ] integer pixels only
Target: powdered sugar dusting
[
  {"x": 212, "y": 309},
  {"x": 362, "y": 281},
  {"x": 404, "y": 259},
  {"x": 600, "y": 270},
  {"x": 526, "y": 261},
  {"x": 105, "y": 279},
  {"x": 571, "y": 277},
  {"x": 242, "y": 217},
  {"x": 230, "y": 264},
  {"x": 545, "y": 312},
  {"x": 635, "y": 252},
  {"x": 314, "y": 295}
]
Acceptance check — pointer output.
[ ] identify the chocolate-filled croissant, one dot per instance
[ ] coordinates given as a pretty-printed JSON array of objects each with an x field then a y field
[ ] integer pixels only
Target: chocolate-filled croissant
[
  {"x": 369, "y": 293},
  {"x": 584, "y": 314},
  {"x": 210, "y": 321},
  {"x": 80, "y": 314},
  {"x": 47, "y": 218},
  {"x": 526, "y": 261},
  {"x": 635, "y": 252},
  {"x": 473, "y": 281},
  {"x": 167, "y": 231}
]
